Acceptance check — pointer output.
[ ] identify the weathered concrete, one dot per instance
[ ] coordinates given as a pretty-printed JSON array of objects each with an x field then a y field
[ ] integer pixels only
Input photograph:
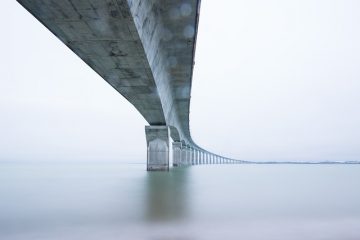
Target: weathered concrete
[
  {"x": 177, "y": 151},
  {"x": 143, "y": 48},
  {"x": 158, "y": 147}
]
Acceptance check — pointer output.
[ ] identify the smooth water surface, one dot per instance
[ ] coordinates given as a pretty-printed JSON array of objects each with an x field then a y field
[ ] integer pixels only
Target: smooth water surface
[{"x": 122, "y": 201}]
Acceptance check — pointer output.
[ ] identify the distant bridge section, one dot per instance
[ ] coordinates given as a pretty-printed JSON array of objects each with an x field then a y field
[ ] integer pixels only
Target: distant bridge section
[{"x": 145, "y": 50}]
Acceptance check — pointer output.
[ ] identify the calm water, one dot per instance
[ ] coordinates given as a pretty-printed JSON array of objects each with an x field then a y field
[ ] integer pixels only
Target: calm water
[{"x": 123, "y": 201}]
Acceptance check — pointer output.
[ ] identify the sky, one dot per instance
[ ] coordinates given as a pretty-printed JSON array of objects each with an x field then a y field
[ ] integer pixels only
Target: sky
[{"x": 273, "y": 80}]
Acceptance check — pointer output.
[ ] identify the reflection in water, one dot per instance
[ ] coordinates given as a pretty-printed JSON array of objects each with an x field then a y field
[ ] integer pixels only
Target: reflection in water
[
  {"x": 166, "y": 195},
  {"x": 208, "y": 202}
]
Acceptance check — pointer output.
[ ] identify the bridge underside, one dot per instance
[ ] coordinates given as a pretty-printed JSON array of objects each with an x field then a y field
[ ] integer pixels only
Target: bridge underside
[{"x": 145, "y": 50}]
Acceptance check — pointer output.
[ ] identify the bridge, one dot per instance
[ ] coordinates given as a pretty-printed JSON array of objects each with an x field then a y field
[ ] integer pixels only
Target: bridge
[{"x": 145, "y": 50}]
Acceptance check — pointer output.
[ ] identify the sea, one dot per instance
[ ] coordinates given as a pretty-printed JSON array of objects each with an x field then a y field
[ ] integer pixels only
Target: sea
[{"x": 110, "y": 200}]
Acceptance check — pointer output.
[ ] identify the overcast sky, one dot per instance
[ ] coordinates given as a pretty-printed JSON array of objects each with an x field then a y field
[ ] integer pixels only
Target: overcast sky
[{"x": 273, "y": 80}]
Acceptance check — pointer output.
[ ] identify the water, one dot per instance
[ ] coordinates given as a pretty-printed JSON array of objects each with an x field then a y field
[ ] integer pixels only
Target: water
[{"x": 122, "y": 201}]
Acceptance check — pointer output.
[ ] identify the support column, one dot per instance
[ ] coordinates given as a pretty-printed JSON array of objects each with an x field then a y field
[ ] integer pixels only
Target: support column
[
  {"x": 188, "y": 155},
  {"x": 158, "y": 148},
  {"x": 197, "y": 157},
  {"x": 183, "y": 155},
  {"x": 177, "y": 153},
  {"x": 192, "y": 156}
]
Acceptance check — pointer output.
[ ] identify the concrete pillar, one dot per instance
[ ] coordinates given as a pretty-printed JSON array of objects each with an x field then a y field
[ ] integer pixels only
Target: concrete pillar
[
  {"x": 158, "y": 148},
  {"x": 177, "y": 153},
  {"x": 187, "y": 161},
  {"x": 190, "y": 155},
  {"x": 198, "y": 157},
  {"x": 183, "y": 155},
  {"x": 193, "y": 156}
]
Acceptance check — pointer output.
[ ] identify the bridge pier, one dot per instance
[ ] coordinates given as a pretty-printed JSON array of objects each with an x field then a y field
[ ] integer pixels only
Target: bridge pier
[
  {"x": 177, "y": 152},
  {"x": 158, "y": 148},
  {"x": 196, "y": 156},
  {"x": 188, "y": 155},
  {"x": 192, "y": 156}
]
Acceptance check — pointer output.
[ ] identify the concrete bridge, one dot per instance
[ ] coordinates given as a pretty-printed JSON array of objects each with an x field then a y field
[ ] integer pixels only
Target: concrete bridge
[{"x": 145, "y": 50}]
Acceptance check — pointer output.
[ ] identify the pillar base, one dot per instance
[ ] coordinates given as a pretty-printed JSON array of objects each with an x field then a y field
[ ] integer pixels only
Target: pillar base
[{"x": 158, "y": 148}]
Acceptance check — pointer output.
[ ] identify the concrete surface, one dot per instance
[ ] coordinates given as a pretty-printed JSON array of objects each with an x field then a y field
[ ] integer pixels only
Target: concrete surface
[{"x": 145, "y": 50}]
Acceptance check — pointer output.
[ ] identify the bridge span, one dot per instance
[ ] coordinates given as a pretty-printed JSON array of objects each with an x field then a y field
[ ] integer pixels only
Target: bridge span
[{"x": 145, "y": 50}]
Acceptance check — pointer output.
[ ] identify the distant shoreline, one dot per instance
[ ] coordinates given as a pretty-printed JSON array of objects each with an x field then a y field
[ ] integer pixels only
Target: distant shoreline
[{"x": 323, "y": 162}]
